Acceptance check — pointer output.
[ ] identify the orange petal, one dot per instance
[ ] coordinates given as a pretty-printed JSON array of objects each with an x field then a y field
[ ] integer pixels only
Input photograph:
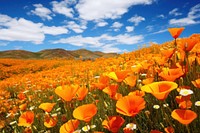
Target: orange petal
[{"x": 184, "y": 116}]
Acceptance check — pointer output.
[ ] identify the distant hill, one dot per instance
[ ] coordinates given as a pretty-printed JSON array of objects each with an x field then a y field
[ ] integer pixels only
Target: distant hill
[{"x": 55, "y": 53}]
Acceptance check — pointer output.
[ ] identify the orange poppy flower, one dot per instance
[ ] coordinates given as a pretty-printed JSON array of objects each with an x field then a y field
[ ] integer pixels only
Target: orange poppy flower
[
  {"x": 81, "y": 93},
  {"x": 169, "y": 130},
  {"x": 187, "y": 44},
  {"x": 118, "y": 76},
  {"x": 50, "y": 121},
  {"x": 147, "y": 81},
  {"x": 111, "y": 90},
  {"x": 175, "y": 32},
  {"x": 185, "y": 104},
  {"x": 196, "y": 83},
  {"x": 113, "y": 123},
  {"x": 127, "y": 130},
  {"x": 130, "y": 80},
  {"x": 67, "y": 92},
  {"x": 168, "y": 53},
  {"x": 171, "y": 74},
  {"x": 184, "y": 116},
  {"x": 130, "y": 105},
  {"x": 103, "y": 82},
  {"x": 23, "y": 106},
  {"x": 160, "y": 89},
  {"x": 21, "y": 96},
  {"x": 85, "y": 112},
  {"x": 180, "y": 99},
  {"x": 155, "y": 131},
  {"x": 137, "y": 93},
  {"x": 47, "y": 107},
  {"x": 70, "y": 126},
  {"x": 26, "y": 119}
]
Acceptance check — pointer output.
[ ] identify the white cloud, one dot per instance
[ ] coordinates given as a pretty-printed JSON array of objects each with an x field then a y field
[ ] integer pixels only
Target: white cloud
[
  {"x": 112, "y": 49},
  {"x": 160, "y": 31},
  {"x": 21, "y": 30},
  {"x": 63, "y": 8},
  {"x": 193, "y": 14},
  {"x": 80, "y": 41},
  {"x": 136, "y": 19},
  {"x": 76, "y": 27},
  {"x": 106, "y": 9},
  {"x": 161, "y": 16},
  {"x": 117, "y": 25},
  {"x": 53, "y": 30},
  {"x": 129, "y": 28},
  {"x": 98, "y": 41},
  {"x": 149, "y": 28},
  {"x": 14, "y": 29},
  {"x": 175, "y": 12},
  {"x": 101, "y": 24},
  {"x": 42, "y": 12}
]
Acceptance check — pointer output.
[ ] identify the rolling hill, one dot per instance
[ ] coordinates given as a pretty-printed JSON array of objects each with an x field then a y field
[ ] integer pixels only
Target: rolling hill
[{"x": 55, "y": 53}]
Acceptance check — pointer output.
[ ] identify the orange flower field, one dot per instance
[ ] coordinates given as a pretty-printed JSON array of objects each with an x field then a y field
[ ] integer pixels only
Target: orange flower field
[{"x": 155, "y": 89}]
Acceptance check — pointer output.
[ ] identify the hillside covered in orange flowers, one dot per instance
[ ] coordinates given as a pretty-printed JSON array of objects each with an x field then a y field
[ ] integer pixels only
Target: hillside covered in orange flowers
[{"x": 154, "y": 89}]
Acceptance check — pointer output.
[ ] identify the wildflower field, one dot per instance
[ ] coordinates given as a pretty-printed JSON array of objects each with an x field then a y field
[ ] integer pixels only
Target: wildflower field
[{"x": 155, "y": 89}]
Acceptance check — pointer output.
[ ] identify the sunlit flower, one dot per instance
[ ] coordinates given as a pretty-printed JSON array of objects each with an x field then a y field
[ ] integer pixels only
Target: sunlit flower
[
  {"x": 171, "y": 74},
  {"x": 187, "y": 44},
  {"x": 118, "y": 76},
  {"x": 175, "y": 32},
  {"x": 131, "y": 126},
  {"x": 184, "y": 116},
  {"x": 113, "y": 123},
  {"x": 130, "y": 80},
  {"x": 47, "y": 107},
  {"x": 160, "y": 89},
  {"x": 147, "y": 81},
  {"x": 50, "y": 121},
  {"x": 156, "y": 106},
  {"x": 23, "y": 106},
  {"x": 185, "y": 92},
  {"x": 70, "y": 126},
  {"x": 26, "y": 119},
  {"x": 137, "y": 93},
  {"x": 169, "y": 130},
  {"x": 86, "y": 128},
  {"x": 130, "y": 105},
  {"x": 67, "y": 92},
  {"x": 197, "y": 103},
  {"x": 196, "y": 83},
  {"x": 165, "y": 105},
  {"x": 103, "y": 82},
  {"x": 85, "y": 112},
  {"x": 81, "y": 93}
]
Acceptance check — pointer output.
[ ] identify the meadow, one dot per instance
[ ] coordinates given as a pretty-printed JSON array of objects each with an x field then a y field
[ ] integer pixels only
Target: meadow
[{"x": 155, "y": 89}]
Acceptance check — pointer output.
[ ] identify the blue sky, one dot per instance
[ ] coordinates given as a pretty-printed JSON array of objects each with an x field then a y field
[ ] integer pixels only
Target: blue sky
[{"x": 97, "y": 25}]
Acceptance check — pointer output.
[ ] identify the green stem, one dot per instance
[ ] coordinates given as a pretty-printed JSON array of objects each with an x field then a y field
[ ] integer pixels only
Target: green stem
[{"x": 187, "y": 127}]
